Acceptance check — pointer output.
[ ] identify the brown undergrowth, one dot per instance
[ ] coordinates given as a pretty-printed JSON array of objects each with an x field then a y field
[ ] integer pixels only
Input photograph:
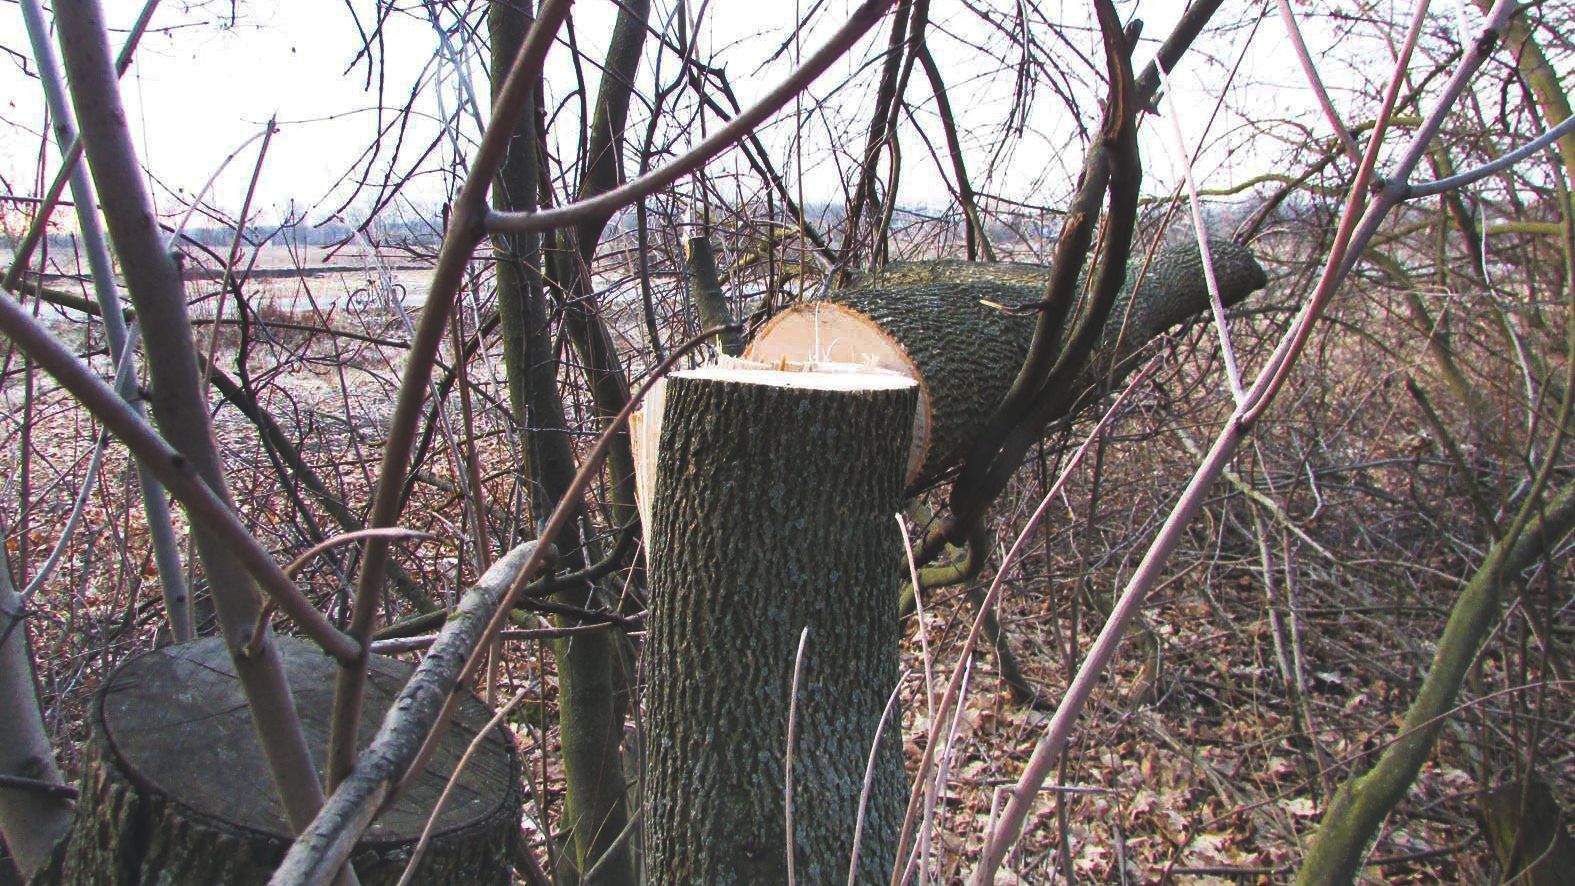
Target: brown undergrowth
[{"x": 1275, "y": 660}]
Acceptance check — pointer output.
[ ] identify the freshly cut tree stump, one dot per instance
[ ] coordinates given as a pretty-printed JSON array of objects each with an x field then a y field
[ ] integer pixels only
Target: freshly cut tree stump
[
  {"x": 772, "y": 513},
  {"x": 940, "y": 323},
  {"x": 175, "y": 790}
]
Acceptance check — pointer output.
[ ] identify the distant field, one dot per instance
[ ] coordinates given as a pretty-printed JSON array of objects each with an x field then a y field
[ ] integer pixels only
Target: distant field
[{"x": 291, "y": 281}]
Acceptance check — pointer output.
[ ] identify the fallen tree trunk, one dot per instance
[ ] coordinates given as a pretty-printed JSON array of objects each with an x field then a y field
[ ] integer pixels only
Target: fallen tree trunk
[
  {"x": 771, "y": 515},
  {"x": 941, "y": 323},
  {"x": 175, "y": 790},
  {"x": 962, "y": 353}
]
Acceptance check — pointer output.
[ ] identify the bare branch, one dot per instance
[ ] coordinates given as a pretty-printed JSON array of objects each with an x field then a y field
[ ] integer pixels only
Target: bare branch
[
  {"x": 325, "y": 845},
  {"x": 464, "y": 232},
  {"x": 861, "y": 21},
  {"x": 1349, "y": 243}
]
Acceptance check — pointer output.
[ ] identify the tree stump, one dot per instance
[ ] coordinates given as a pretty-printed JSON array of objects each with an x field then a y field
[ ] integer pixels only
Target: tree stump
[
  {"x": 175, "y": 790},
  {"x": 771, "y": 512}
]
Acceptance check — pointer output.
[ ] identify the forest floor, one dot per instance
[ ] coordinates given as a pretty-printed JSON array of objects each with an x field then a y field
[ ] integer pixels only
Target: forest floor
[{"x": 1276, "y": 659}]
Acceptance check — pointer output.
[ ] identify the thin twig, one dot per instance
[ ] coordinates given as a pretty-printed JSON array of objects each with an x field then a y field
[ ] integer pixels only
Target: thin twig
[
  {"x": 869, "y": 778},
  {"x": 122, "y": 377},
  {"x": 68, "y": 162},
  {"x": 1200, "y": 228},
  {"x": 862, "y": 19},
  {"x": 177, "y": 232},
  {"x": 953, "y": 688},
  {"x": 413, "y": 719},
  {"x": 344, "y": 538},
  {"x": 458, "y": 245},
  {"x": 1498, "y": 164},
  {"x": 412, "y": 644},
  {"x": 173, "y": 470},
  {"x": 1355, "y": 230},
  {"x": 453, "y": 779},
  {"x": 787, "y": 765},
  {"x": 235, "y": 244},
  {"x": 1310, "y": 70}
]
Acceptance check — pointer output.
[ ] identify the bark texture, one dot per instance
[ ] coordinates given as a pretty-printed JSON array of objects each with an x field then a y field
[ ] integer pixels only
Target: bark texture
[
  {"x": 174, "y": 790},
  {"x": 772, "y": 514},
  {"x": 965, "y": 353},
  {"x": 1173, "y": 288}
]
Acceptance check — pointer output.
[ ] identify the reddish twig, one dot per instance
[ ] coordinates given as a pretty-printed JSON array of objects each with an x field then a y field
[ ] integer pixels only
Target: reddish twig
[{"x": 1356, "y": 230}]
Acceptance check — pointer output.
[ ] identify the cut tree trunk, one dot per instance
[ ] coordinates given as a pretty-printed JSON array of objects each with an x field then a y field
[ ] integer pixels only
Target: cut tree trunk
[
  {"x": 772, "y": 514},
  {"x": 175, "y": 790},
  {"x": 941, "y": 324}
]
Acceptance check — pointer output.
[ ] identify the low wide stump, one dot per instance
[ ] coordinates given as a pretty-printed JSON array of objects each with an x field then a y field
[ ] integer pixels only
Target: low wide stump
[{"x": 175, "y": 790}]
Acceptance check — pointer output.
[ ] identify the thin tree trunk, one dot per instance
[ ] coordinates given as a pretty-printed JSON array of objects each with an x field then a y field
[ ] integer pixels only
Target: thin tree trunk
[
  {"x": 571, "y": 270},
  {"x": 31, "y": 821},
  {"x": 978, "y": 236},
  {"x": 166, "y": 549},
  {"x": 885, "y": 100},
  {"x": 710, "y": 302},
  {"x": 591, "y": 702},
  {"x": 177, "y": 400},
  {"x": 1362, "y": 803}
]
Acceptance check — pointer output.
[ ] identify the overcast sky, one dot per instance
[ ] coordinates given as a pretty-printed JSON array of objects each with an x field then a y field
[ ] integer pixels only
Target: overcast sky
[{"x": 201, "y": 87}]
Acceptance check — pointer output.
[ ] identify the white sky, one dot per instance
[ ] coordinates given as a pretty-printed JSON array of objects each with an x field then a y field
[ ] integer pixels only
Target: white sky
[{"x": 200, "y": 88}]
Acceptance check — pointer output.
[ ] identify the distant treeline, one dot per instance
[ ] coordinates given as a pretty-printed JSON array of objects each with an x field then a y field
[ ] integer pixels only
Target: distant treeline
[
  {"x": 1005, "y": 224},
  {"x": 416, "y": 231}
]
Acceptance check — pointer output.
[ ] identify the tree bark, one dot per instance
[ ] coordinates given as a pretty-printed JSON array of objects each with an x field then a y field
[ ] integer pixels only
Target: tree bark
[
  {"x": 175, "y": 791},
  {"x": 772, "y": 515}
]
